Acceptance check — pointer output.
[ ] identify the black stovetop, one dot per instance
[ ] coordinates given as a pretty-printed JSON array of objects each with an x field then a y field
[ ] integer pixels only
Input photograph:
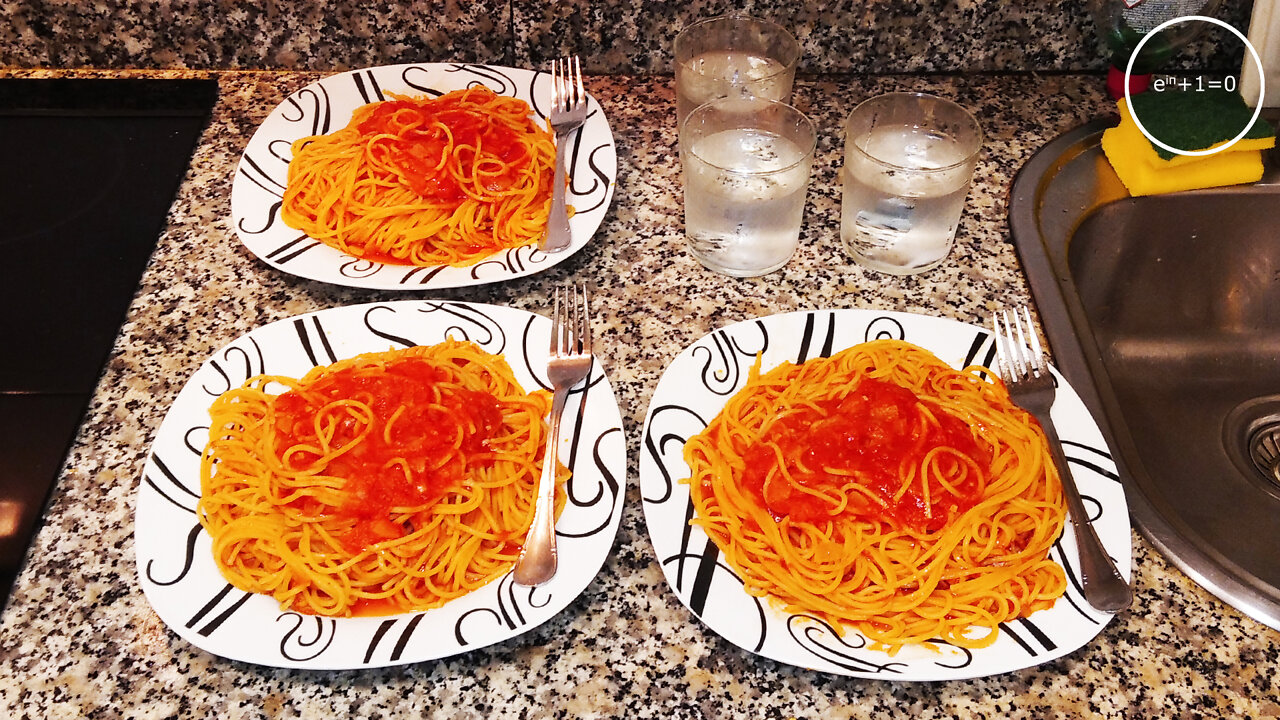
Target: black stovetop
[{"x": 89, "y": 169}]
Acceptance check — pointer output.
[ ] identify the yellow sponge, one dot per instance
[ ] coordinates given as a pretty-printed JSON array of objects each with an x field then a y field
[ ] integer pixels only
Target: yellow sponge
[
  {"x": 1127, "y": 149},
  {"x": 1145, "y": 170}
]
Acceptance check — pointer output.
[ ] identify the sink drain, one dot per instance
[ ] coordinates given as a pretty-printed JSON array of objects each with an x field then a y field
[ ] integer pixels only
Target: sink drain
[
  {"x": 1251, "y": 437},
  {"x": 1264, "y": 451}
]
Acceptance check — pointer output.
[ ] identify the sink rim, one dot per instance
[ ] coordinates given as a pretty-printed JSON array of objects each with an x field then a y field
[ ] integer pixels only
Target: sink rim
[{"x": 1040, "y": 238}]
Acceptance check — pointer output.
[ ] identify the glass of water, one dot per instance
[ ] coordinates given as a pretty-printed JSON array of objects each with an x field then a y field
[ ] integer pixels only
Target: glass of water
[
  {"x": 746, "y": 168},
  {"x": 909, "y": 159},
  {"x": 733, "y": 54}
]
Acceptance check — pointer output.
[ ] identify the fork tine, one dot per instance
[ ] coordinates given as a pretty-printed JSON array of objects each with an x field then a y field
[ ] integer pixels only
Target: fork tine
[
  {"x": 1013, "y": 352},
  {"x": 1025, "y": 368},
  {"x": 585, "y": 333},
  {"x": 1041, "y": 365},
  {"x": 557, "y": 93},
  {"x": 1002, "y": 360},
  {"x": 555, "y": 324},
  {"x": 566, "y": 84},
  {"x": 572, "y": 320},
  {"x": 568, "y": 322},
  {"x": 580, "y": 95}
]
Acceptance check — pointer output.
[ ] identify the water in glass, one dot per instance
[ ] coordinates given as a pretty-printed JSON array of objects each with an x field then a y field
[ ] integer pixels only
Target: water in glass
[
  {"x": 744, "y": 199},
  {"x": 901, "y": 208},
  {"x": 721, "y": 73}
]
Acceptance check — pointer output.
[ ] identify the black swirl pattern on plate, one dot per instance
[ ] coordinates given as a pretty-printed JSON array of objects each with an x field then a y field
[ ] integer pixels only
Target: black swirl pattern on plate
[
  {"x": 178, "y": 572},
  {"x": 666, "y": 448},
  {"x": 357, "y": 268},
  {"x": 885, "y": 328},
  {"x": 597, "y": 495},
  {"x": 404, "y": 627},
  {"x": 509, "y": 262},
  {"x": 367, "y": 86},
  {"x": 310, "y": 105},
  {"x": 168, "y": 485},
  {"x": 848, "y": 651},
  {"x": 307, "y": 637},
  {"x": 499, "y": 80},
  {"x": 236, "y": 365},
  {"x": 714, "y": 368},
  {"x": 508, "y": 612},
  {"x": 258, "y": 175},
  {"x": 726, "y": 361},
  {"x": 188, "y": 558}
]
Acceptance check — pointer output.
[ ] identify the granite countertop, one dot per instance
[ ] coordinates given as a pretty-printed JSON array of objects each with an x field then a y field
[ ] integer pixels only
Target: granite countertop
[{"x": 79, "y": 639}]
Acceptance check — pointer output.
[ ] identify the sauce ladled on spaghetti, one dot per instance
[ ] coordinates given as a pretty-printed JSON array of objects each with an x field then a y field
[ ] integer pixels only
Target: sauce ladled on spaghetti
[
  {"x": 446, "y": 180},
  {"x": 416, "y": 136},
  {"x": 387, "y": 482},
  {"x": 882, "y": 490},
  {"x": 415, "y": 439},
  {"x": 867, "y": 438}
]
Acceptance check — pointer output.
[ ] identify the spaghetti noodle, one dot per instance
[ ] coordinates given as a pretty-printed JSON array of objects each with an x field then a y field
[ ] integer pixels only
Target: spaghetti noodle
[
  {"x": 883, "y": 490},
  {"x": 425, "y": 181},
  {"x": 388, "y": 482}
]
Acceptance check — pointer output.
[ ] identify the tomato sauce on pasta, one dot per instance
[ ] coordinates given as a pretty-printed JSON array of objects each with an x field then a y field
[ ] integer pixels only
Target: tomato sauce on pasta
[
  {"x": 425, "y": 181},
  {"x": 871, "y": 434},
  {"x": 431, "y": 436},
  {"x": 387, "y": 482},
  {"x": 881, "y": 489}
]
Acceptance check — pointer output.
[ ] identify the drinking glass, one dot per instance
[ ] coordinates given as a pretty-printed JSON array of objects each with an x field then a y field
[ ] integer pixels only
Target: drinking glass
[
  {"x": 733, "y": 54},
  {"x": 909, "y": 159},
  {"x": 746, "y": 165}
]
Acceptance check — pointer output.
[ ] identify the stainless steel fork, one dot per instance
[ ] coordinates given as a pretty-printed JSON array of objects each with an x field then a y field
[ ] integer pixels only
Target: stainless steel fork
[
  {"x": 568, "y": 112},
  {"x": 1026, "y": 374},
  {"x": 569, "y": 365}
]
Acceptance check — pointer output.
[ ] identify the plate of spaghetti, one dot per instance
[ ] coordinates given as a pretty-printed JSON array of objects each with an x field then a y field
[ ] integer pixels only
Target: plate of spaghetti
[
  {"x": 350, "y": 488},
  {"x": 853, "y": 492},
  {"x": 408, "y": 177}
]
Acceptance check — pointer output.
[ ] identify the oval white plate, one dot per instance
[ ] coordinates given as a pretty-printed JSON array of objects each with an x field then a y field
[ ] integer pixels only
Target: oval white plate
[
  {"x": 326, "y": 105},
  {"x": 695, "y": 388},
  {"x": 174, "y": 554}
]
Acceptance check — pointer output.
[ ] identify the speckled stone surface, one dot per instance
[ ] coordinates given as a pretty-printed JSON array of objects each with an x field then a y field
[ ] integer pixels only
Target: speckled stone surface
[
  {"x": 875, "y": 36},
  {"x": 277, "y": 34},
  {"x": 79, "y": 640},
  {"x": 612, "y": 36}
]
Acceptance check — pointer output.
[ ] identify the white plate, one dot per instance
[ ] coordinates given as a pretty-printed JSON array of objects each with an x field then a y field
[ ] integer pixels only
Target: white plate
[
  {"x": 695, "y": 388},
  {"x": 326, "y": 106},
  {"x": 175, "y": 557}
]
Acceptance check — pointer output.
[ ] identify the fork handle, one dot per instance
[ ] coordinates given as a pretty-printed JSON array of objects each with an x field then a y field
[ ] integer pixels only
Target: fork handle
[
  {"x": 558, "y": 237},
  {"x": 1104, "y": 588},
  {"x": 537, "y": 562}
]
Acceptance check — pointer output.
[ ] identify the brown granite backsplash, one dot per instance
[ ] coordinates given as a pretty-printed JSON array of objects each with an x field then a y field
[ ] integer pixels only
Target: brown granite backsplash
[{"x": 612, "y": 36}]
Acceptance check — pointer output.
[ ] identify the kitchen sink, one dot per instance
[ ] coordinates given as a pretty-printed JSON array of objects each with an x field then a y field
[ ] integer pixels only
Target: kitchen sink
[{"x": 1164, "y": 313}]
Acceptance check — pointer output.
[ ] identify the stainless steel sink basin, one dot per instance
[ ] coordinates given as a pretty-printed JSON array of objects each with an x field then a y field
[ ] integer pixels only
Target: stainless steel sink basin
[{"x": 1164, "y": 312}]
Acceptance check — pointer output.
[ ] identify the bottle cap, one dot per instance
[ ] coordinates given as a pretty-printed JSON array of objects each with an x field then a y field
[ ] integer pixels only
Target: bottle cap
[{"x": 1115, "y": 82}]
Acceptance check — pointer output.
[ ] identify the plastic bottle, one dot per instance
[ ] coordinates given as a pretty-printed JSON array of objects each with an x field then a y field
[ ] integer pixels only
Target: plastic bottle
[{"x": 1123, "y": 23}]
